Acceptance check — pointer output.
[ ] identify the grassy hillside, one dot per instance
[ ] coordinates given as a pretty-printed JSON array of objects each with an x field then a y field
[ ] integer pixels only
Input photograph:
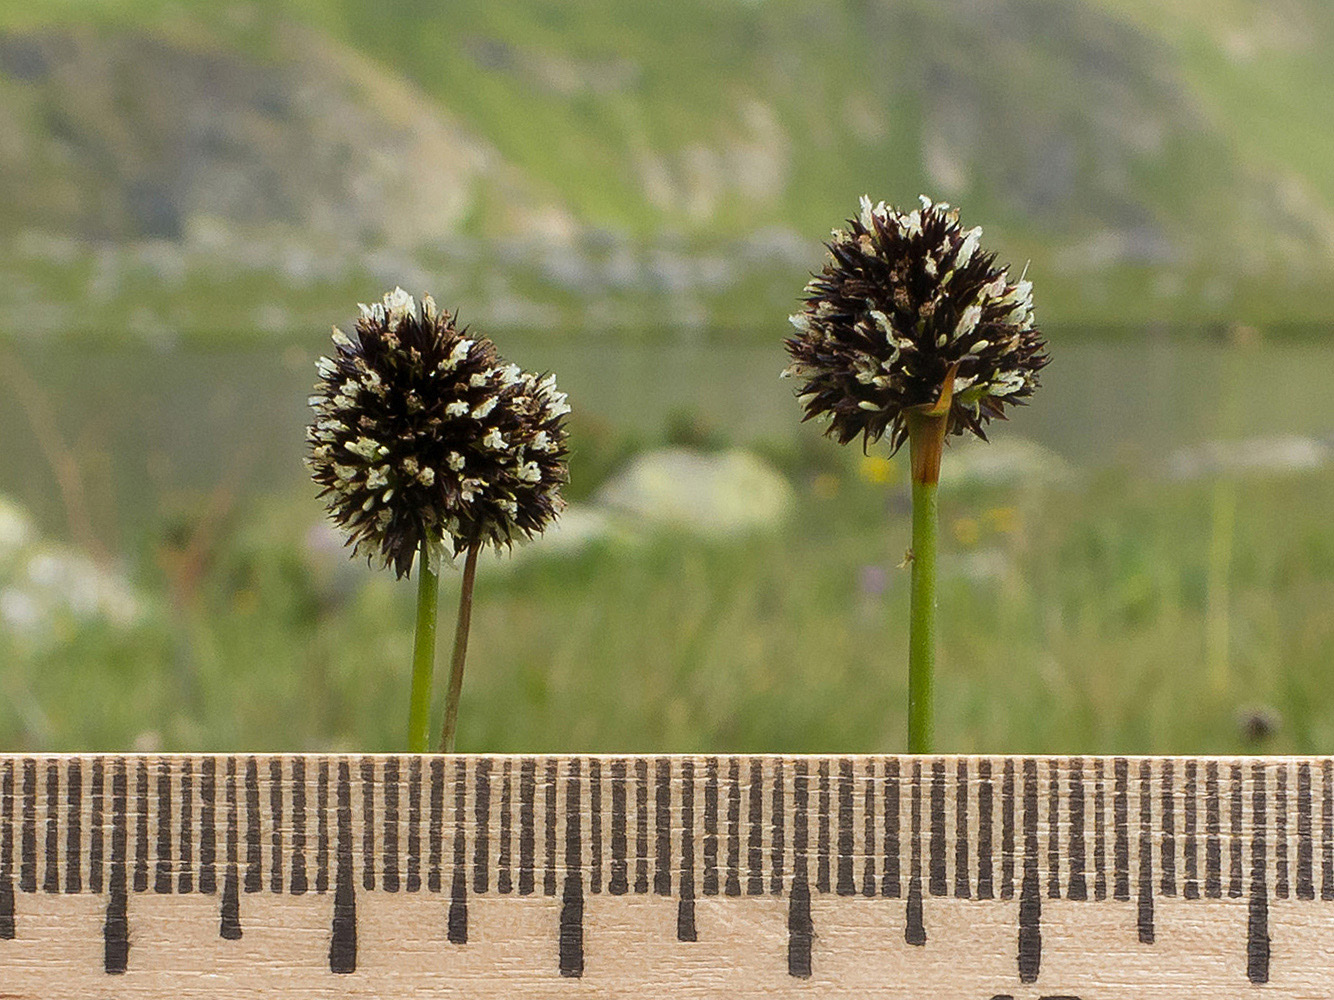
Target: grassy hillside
[{"x": 230, "y": 168}]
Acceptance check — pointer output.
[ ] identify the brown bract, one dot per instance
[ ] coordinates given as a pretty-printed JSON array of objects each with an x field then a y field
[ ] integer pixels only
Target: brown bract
[
  {"x": 422, "y": 432},
  {"x": 903, "y": 298}
]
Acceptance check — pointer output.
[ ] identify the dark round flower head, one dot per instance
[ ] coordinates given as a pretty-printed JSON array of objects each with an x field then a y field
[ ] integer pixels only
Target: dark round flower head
[
  {"x": 423, "y": 432},
  {"x": 904, "y": 298}
]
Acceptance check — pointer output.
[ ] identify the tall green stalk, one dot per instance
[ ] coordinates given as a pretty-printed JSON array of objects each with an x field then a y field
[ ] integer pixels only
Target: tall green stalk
[
  {"x": 460, "y": 652},
  {"x": 922, "y": 625},
  {"x": 1219, "y": 577},
  {"x": 423, "y": 653},
  {"x": 927, "y": 426},
  {"x": 1232, "y": 380}
]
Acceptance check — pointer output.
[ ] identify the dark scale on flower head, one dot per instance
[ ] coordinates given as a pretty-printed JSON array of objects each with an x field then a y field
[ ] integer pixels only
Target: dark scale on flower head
[
  {"x": 904, "y": 298},
  {"x": 423, "y": 432}
]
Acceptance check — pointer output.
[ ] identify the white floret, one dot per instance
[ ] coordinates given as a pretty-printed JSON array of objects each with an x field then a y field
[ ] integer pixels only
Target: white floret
[
  {"x": 993, "y": 289},
  {"x": 363, "y": 447},
  {"x": 883, "y": 322},
  {"x": 968, "y": 247},
  {"x": 865, "y": 215},
  {"x": 1007, "y": 383},
  {"x": 398, "y": 305},
  {"x": 968, "y": 321},
  {"x": 1020, "y": 315},
  {"x": 459, "y": 352}
]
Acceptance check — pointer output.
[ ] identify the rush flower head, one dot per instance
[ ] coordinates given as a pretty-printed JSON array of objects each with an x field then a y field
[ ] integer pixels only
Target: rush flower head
[
  {"x": 905, "y": 300},
  {"x": 422, "y": 431}
]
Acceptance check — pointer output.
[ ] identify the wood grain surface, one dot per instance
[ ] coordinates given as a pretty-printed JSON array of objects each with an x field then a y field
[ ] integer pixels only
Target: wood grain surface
[{"x": 681, "y": 876}]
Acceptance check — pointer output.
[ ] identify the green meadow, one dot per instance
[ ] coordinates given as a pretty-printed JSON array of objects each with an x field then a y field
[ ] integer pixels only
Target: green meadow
[{"x": 1101, "y": 604}]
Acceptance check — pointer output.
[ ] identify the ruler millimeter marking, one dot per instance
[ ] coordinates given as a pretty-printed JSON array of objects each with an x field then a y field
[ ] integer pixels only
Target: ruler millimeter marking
[{"x": 908, "y": 829}]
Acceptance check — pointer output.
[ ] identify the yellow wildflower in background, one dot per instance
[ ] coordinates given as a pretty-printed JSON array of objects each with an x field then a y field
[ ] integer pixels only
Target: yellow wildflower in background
[{"x": 876, "y": 470}]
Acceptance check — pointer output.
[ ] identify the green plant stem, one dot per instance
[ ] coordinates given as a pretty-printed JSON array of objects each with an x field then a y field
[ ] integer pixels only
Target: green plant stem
[
  {"x": 927, "y": 426},
  {"x": 423, "y": 653},
  {"x": 460, "y": 652},
  {"x": 1217, "y": 600},
  {"x": 922, "y": 626}
]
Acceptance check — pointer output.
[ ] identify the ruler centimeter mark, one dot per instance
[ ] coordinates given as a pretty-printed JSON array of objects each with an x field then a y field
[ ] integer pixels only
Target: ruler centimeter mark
[{"x": 897, "y": 828}]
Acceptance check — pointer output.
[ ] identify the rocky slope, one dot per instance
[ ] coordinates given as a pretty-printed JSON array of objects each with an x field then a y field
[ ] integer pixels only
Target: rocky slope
[{"x": 579, "y": 164}]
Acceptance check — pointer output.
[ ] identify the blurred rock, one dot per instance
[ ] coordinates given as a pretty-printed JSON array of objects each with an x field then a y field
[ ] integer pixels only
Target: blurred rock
[
  {"x": 46, "y": 588},
  {"x": 1259, "y": 455},
  {"x": 578, "y": 527},
  {"x": 719, "y": 493},
  {"x": 980, "y": 566},
  {"x": 778, "y": 247},
  {"x": 335, "y": 576},
  {"x": 149, "y": 741},
  {"x": 16, "y": 530},
  {"x": 1005, "y": 461}
]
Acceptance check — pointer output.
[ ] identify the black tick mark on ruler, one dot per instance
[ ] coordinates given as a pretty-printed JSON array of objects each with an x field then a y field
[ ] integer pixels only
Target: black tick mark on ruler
[{"x": 679, "y": 828}]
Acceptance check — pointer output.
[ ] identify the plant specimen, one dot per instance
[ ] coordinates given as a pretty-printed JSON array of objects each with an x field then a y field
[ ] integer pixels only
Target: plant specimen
[
  {"x": 423, "y": 435},
  {"x": 911, "y": 329}
]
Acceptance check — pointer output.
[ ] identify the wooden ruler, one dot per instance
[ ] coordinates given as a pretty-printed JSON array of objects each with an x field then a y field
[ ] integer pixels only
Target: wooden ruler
[{"x": 974, "y": 877}]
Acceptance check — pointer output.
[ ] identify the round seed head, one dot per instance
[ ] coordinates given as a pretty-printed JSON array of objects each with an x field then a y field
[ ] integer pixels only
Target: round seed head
[
  {"x": 422, "y": 431},
  {"x": 903, "y": 298}
]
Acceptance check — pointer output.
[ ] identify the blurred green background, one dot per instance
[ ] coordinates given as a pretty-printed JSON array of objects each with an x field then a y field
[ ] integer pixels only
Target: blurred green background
[{"x": 632, "y": 196}]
